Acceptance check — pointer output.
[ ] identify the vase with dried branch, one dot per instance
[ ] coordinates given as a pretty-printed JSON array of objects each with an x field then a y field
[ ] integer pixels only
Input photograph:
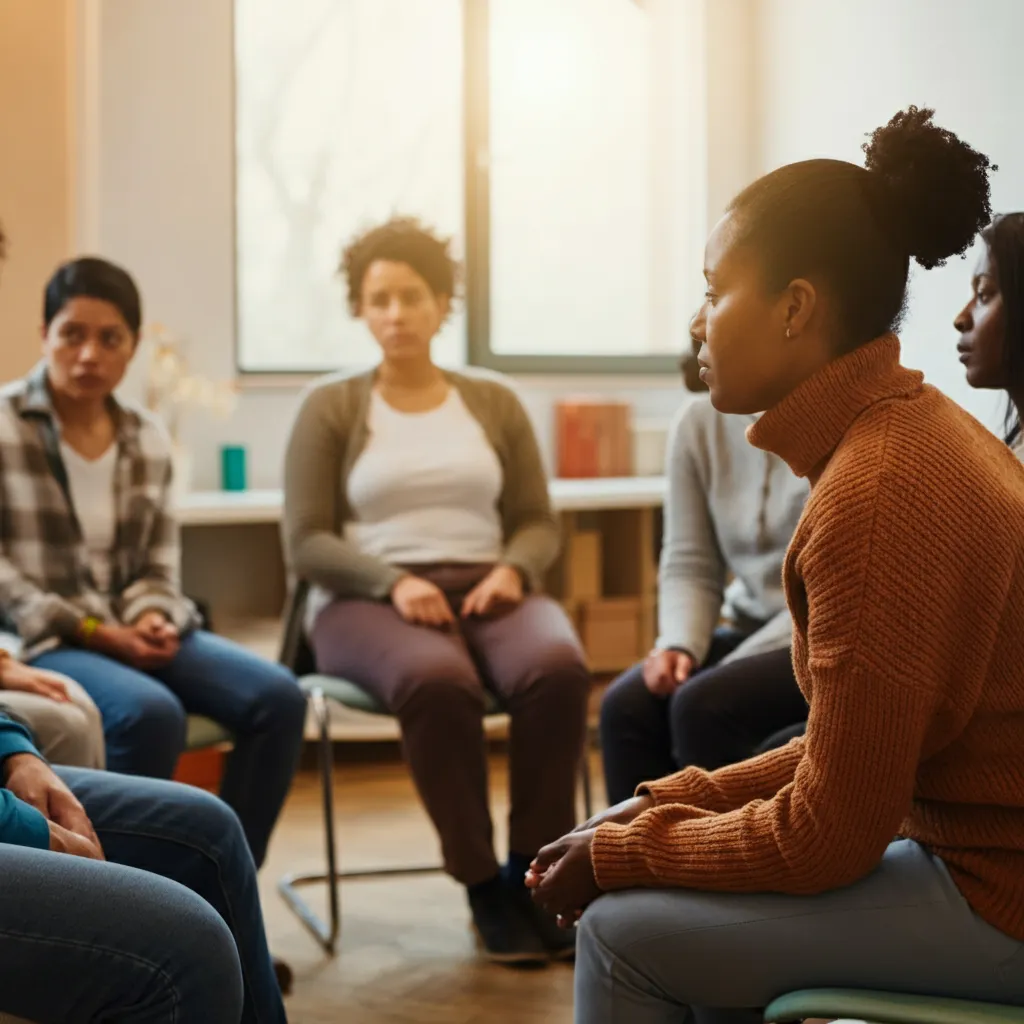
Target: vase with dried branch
[{"x": 172, "y": 388}]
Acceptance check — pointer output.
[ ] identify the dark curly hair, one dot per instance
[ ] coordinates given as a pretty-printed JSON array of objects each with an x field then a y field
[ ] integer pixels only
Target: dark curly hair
[
  {"x": 922, "y": 194},
  {"x": 1005, "y": 240},
  {"x": 403, "y": 240}
]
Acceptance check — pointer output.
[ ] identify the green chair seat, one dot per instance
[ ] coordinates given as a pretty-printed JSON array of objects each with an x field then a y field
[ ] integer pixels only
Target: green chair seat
[
  {"x": 351, "y": 696},
  {"x": 887, "y": 1008},
  {"x": 204, "y": 732}
]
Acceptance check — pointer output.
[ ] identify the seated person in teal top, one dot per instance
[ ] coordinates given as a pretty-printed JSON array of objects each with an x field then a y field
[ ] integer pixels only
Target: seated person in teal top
[{"x": 141, "y": 892}]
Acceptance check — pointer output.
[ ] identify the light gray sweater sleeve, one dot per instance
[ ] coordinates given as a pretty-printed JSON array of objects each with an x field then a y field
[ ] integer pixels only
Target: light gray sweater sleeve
[
  {"x": 775, "y": 635},
  {"x": 691, "y": 581}
]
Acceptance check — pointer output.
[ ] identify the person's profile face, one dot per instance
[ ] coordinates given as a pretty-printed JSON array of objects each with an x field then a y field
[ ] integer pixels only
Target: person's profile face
[
  {"x": 982, "y": 327},
  {"x": 739, "y": 326}
]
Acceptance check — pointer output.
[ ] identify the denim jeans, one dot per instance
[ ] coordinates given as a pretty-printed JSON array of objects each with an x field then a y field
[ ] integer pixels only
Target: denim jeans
[
  {"x": 168, "y": 929},
  {"x": 144, "y": 719}
]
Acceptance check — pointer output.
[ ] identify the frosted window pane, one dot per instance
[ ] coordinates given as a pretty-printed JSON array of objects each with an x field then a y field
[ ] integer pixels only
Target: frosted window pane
[
  {"x": 347, "y": 111},
  {"x": 577, "y": 261}
]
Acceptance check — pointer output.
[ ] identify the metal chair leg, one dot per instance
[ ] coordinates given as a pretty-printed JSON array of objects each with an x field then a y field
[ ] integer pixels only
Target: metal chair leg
[{"x": 326, "y": 935}]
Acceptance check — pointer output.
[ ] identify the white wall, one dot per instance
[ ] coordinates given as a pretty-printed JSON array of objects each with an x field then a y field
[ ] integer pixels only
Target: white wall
[
  {"x": 830, "y": 71},
  {"x": 162, "y": 203}
]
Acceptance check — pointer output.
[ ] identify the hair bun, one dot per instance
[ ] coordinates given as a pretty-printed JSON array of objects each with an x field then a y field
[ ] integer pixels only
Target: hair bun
[{"x": 934, "y": 187}]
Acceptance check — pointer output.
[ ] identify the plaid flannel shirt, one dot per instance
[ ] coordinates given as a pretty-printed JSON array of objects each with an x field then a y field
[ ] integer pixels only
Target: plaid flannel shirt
[{"x": 46, "y": 582}]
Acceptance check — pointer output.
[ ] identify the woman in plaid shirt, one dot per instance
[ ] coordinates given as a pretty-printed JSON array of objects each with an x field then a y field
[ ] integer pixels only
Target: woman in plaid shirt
[{"x": 89, "y": 560}]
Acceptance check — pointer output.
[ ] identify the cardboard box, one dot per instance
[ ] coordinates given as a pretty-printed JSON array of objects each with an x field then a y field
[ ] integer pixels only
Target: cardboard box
[{"x": 611, "y": 633}]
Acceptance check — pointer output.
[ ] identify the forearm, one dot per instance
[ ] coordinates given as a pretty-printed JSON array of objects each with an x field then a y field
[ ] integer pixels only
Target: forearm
[
  {"x": 532, "y": 549},
  {"x": 827, "y": 828},
  {"x": 38, "y": 616},
  {"x": 689, "y": 608},
  {"x": 21, "y": 824},
  {"x": 336, "y": 565},
  {"x": 726, "y": 789}
]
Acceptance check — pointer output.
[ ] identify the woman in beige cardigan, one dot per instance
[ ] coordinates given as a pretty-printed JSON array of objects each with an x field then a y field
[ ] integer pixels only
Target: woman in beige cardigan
[{"x": 417, "y": 508}]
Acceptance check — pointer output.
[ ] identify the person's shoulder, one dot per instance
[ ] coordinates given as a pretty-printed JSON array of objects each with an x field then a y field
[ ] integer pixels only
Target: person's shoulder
[
  {"x": 491, "y": 397},
  {"x": 12, "y": 398},
  {"x": 696, "y": 416},
  {"x": 13, "y": 391},
  {"x": 487, "y": 384},
  {"x": 333, "y": 394},
  {"x": 154, "y": 437},
  {"x": 699, "y": 428},
  {"x": 928, "y": 457}
]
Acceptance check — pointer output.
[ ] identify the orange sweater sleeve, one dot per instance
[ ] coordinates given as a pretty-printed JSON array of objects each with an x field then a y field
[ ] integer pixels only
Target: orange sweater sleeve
[
  {"x": 727, "y": 788},
  {"x": 826, "y": 828},
  {"x": 884, "y": 637}
]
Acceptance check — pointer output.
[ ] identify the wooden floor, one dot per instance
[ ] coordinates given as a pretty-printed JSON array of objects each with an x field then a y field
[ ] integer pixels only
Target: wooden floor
[{"x": 407, "y": 954}]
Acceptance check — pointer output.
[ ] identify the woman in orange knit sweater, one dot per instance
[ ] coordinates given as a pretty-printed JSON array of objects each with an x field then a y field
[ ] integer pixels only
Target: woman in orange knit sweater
[{"x": 905, "y": 579}]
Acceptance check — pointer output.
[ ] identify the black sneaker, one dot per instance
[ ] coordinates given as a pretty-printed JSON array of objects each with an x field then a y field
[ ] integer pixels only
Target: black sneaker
[
  {"x": 560, "y": 943},
  {"x": 504, "y": 933}
]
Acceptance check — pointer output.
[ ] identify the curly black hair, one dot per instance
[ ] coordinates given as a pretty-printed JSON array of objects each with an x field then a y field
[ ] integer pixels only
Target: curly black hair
[
  {"x": 403, "y": 240},
  {"x": 922, "y": 194}
]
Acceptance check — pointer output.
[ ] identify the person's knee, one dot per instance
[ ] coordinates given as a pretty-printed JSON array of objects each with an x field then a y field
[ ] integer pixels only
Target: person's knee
[
  {"x": 157, "y": 716},
  {"x": 145, "y": 736},
  {"x": 438, "y": 685},
  {"x": 693, "y": 705},
  {"x": 282, "y": 697},
  {"x": 624, "y": 700},
  {"x": 200, "y": 959},
  {"x": 562, "y": 662},
  {"x": 211, "y": 822}
]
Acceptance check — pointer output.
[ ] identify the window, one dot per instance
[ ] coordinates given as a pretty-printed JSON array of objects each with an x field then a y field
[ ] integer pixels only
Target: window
[{"x": 560, "y": 143}]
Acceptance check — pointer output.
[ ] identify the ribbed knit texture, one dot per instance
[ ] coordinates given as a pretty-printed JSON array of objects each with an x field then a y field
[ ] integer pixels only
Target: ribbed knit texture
[{"x": 905, "y": 579}]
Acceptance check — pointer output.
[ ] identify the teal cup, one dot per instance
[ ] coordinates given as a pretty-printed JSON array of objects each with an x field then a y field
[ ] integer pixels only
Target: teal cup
[{"x": 232, "y": 468}]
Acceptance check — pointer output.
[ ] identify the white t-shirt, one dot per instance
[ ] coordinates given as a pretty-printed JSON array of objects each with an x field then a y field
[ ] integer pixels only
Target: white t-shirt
[
  {"x": 424, "y": 489},
  {"x": 91, "y": 482}
]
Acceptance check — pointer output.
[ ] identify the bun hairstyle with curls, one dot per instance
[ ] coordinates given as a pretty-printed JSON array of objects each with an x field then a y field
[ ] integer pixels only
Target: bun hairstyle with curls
[
  {"x": 922, "y": 194},
  {"x": 400, "y": 240}
]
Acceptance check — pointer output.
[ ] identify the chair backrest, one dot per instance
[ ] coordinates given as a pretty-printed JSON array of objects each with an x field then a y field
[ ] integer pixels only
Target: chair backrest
[{"x": 296, "y": 653}]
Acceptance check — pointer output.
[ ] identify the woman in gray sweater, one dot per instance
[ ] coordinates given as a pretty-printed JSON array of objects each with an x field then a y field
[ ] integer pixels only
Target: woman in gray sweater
[
  {"x": 711, "y": 694},
  {"x": 417, "y": 507}
]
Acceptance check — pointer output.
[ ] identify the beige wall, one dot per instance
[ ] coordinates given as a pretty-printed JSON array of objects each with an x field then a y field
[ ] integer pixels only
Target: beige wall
[{"x": 35, "y": 166}]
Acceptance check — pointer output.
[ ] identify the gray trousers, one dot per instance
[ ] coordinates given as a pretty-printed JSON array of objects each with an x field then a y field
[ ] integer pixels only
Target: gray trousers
[
  {"x": 66, "y": 733},
  {"x": 652, "y": 956}
]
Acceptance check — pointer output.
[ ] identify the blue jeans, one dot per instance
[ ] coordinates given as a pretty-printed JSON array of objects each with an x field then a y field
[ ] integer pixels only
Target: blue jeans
[
  {"x": 168, "y": 929},
  {"x": 144, "y": 719}
]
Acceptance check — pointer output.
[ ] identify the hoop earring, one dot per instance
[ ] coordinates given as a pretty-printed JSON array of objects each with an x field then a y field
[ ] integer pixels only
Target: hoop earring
[{"x": 789, "y": 333}]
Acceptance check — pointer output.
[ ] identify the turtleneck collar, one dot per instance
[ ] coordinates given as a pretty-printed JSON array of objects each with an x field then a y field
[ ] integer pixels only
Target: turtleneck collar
[{"x": 805, "y": 428}]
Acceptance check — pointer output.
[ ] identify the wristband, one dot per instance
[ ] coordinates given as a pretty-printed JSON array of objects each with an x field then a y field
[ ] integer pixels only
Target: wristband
[{"x": 87, "y": 629}]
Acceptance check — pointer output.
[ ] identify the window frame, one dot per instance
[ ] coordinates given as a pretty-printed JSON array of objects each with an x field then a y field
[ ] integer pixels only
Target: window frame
[
  {"x": 476, "y": 132},
  {"x": 476, "y": 227}
]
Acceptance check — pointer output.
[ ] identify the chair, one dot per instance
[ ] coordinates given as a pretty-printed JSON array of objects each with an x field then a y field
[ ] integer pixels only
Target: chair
[
  {"x": 887, "y": 1008},
  {"x": 320, "y": 689},
  {"x": 202, "y": 733}
]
